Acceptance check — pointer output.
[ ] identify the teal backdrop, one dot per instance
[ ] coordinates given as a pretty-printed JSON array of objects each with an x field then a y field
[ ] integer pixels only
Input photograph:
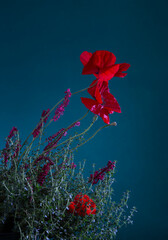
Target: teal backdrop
[{"x": 40, "y": 45}]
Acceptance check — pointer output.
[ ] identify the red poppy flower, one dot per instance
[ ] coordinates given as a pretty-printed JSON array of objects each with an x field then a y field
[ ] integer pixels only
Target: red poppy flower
[
  {"x": 102, "y": 65},
  {"x": 82, "y": 205},
  {"x": 109, "y": 103}
]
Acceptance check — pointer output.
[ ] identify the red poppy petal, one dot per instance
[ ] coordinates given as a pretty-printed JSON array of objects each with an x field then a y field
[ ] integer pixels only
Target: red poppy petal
[
  {"x": 103, "y": 58},
  {"x": 92, "y": 105},
  {"x": 104, "y": 114},
  {"x": 104, "y": 88},
  {"x": 102, "y": 111},
  {"x": 108, "y": 73},
  {"x": 120, "y": 74},
  {"x": 91, "y": 90},
  {"x": 98, "y": 61},
  {"x": 109, "y": 109},
  {"x": 110, "y": 102},
  {"x": 90, "y": 68},
  {"x": 98, "y": 95},
  {"x": 123, "y": 67},
  {"x": 85, "y": 57},
  {"x": 94, "y": 91}
]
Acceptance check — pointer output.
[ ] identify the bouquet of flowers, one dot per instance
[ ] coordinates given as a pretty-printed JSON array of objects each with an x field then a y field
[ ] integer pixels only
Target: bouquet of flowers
[{"x": 43, "y": 191}]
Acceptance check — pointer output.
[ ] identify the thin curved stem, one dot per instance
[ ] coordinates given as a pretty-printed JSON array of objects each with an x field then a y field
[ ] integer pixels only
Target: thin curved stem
[
  {"x": 53, "y": 109},
  {"x": 112, "y": 124},
  {"x": 69, "y": 139},
  {"x": 64, "y": 130}
]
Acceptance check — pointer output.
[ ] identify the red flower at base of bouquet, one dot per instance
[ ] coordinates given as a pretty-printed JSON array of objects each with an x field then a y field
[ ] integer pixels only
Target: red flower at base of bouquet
[
  {"x": 109, "y": 103},
  {"x": 82, "y": 205}
]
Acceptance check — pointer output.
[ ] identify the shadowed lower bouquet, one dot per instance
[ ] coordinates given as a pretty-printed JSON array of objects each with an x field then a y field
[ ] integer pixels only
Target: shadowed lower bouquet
[{"x": 43, "y": 191}]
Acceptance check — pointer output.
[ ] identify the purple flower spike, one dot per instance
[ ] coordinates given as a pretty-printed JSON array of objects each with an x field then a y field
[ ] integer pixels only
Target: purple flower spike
[
  {"x": 45, "y": 116},
  {"x": 42, "y": 176},
  {"x": 57, "y": 136},
  {"x": 12, "y": 132},
  {"x": 73, "y": 165},
  {"x": 60, "y": 110},
  {"x": 99, "y": 175}
]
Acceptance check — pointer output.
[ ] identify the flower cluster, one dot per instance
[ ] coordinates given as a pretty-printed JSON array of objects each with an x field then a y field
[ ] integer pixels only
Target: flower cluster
[
  {"x": 43, "y": 189},
  {"x": 82, "y": 205}
]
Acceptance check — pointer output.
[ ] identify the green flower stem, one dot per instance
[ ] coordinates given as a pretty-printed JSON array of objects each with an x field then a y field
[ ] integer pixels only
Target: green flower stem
[
  {"x": 112, "y": 124},
  {"x": 71, "y": 138},
  {"x": 53, "y": 109},
  {"x": 40, "y": 139},
  {"x": 8, "y": 190},
  {"x": 28, "y": 148},
  {"x": 64, "y": 130},
  {"x": 53, "y": 140}
]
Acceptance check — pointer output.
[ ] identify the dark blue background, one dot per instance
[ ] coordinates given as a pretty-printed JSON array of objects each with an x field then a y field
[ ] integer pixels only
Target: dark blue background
[{"x": 40, "y": 45}]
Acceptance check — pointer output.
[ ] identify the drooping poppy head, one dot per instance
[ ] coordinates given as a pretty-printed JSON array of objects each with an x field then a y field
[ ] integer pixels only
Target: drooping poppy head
[{"x": 108, "y": 103}]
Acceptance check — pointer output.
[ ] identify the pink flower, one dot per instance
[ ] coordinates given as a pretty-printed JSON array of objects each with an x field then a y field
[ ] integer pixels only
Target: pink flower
[
  {"x": 44, "y": 117},
  {"x": 77, "y": 124},
  {"x": 73, "y": 165},
  {"x": 57, "y": 136},
  {"x": 60, "y": 110},
  {"x": 36, "y": 132},
  {"x": 12, "y": 132},
  {"x": 100, "y": 174},
  {"x": 43, "y": 158},
  {"x": 16, "y": 152}
]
